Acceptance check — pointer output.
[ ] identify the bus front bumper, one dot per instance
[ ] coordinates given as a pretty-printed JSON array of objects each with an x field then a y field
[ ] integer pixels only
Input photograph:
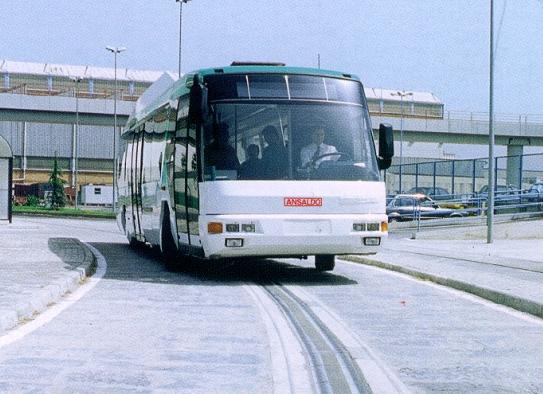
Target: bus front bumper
[{"x": 288, "y": 235}]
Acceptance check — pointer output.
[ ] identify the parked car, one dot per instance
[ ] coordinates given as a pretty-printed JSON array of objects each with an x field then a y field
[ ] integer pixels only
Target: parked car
[
  {"x": 534, "y": 193},
  {"x": 437, "y": 193},
  {"x": 405, "y": 207},
  {"x": 504, "y": 195}
]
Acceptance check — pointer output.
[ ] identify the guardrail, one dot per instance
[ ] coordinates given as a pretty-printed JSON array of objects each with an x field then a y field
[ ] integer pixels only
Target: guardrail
[{"x": 469, "y": 205}]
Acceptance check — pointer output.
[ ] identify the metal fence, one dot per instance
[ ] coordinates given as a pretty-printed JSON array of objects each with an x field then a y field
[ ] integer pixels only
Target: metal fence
[{"x": 465, "y": 177}]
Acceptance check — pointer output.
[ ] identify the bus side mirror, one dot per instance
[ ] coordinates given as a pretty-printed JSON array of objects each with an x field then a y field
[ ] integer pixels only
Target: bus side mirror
[
  {"x": 197, "y": 100},
  {"x": 386, "y": 146}
]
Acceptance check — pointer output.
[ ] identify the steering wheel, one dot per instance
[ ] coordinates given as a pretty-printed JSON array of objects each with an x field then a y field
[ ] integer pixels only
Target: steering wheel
[{"x": 312, "y": 163}]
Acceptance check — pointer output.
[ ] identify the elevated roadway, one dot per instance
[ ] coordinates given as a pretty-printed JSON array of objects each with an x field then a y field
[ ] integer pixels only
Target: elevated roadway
[
  {"x": 466, "y": 129},
  {"x": 515, "y": 132},
  {"x": 452, "y": 129}
]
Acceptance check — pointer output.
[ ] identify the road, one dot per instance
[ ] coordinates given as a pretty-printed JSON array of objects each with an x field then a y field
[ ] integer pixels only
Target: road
[{"x": 218, "y": 328}]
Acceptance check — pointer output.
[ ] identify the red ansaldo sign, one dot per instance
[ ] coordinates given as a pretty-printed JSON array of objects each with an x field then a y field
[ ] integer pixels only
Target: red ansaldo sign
[{"x": 302, "y": 201}]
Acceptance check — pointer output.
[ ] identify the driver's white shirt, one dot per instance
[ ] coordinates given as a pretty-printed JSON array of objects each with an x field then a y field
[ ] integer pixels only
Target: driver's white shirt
[{"x": 308, "y": 151}]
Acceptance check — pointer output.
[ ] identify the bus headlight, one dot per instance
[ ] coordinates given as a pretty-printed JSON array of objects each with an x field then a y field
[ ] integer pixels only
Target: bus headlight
[
  {"x": 373, "y": 226},
  {"x": 232, "y": 227},
  {"x": 248, "y": 228},
  {"x": 367, "y": 226},
  {"x": 359, "y": 226}
]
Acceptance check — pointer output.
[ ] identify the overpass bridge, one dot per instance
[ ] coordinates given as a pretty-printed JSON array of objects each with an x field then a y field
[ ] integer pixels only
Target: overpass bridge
[
  {"x": 452, "y": 128},
  {"x": 54, "y": 117},
  {"x": 38, "y": 114},
  {"x": 467, "y": 128}
]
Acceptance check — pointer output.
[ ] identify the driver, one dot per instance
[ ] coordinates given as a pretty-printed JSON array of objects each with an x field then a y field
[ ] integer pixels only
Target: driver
[{"x": 312, "y": 153}]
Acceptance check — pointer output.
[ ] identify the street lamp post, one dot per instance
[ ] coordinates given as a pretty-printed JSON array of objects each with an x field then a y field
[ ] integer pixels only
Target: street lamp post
[
  {"x": 180, "y": 25},
  {"x": 491, "y": 180},
  {"x": 401, "y": 94},
  {"x": 115, "y": 51},
  {"x": 75, "y": 137}
]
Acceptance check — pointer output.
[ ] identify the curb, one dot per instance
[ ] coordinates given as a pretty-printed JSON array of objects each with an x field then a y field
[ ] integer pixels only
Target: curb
[
  {"x": 497, "y": 297},
  {"x": 466, "y": 221},
  {"x": 54, "y": 291}
]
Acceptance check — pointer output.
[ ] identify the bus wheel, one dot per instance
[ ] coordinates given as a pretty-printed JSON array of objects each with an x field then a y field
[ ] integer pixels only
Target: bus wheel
[
  {"x": 325, "y": 262},
  {"x": 123, "y": 218},
  {"x": 168, "y": 249},
  {"x": 133, "y": 242}
]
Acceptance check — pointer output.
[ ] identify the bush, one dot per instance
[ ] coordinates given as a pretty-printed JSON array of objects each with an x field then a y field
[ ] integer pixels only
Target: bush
[
  {"x": 32, "y": 201},
  {"x": 57, "y": 198}
]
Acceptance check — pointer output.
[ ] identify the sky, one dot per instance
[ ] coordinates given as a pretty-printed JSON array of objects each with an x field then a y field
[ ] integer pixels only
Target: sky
[{"x": 439, "y": 46}]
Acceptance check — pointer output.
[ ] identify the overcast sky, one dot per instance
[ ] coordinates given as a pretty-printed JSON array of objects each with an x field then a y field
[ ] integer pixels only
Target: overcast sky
[{"x": 440, "y": 46}]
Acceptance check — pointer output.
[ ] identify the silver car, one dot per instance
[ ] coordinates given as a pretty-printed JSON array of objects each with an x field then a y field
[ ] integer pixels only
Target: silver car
[{"x": 405, "y": 207}]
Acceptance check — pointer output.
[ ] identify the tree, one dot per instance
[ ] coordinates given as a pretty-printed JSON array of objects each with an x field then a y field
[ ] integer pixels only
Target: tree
[{"x": 57, "y": 199}]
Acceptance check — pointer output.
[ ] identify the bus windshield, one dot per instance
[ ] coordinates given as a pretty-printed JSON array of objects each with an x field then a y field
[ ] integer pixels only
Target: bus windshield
[{"x": 293, "y": 140}]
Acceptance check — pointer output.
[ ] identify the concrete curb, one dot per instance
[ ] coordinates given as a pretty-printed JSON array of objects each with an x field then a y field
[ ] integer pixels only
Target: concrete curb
[
  {"x": 498, "y": 297},
  {"x": 53, "y": 292},
  {"x": 468, "y": 221}
]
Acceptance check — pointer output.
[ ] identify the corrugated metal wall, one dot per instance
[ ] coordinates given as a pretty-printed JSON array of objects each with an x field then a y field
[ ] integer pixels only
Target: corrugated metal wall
[
  {"x": 13, "y": 134},
  {"x": 95, "y": 142},
  {"x": 44, "y": 140},
  {"x": 47, "y": 139}
]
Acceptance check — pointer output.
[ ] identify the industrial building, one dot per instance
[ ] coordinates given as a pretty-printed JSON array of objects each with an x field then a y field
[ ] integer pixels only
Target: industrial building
[{"x": 41, "y": 103}]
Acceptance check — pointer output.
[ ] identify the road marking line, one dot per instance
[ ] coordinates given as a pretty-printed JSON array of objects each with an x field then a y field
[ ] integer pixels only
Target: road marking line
[{"x": 64, "y": 303}]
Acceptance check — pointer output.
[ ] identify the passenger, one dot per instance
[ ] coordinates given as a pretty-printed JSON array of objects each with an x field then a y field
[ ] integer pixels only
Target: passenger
[
  {"x": 252, "y": 167},
  {"x": 220, "y": 153},
  {"x": 274, "y": 156},
  {"x": 310, "y": 154}
]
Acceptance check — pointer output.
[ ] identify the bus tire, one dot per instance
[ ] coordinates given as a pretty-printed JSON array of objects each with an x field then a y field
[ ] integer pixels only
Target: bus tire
[
  {"x": 325, "y": 262},
  {"x": 168, "y": 249},
  {"x": 133, "y": 242},
  {"x": 123, "y": 218}
]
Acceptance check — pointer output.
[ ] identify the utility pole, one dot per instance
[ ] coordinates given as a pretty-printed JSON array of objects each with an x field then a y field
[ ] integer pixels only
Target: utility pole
[
  {"x": 76, "y": 138},
  {"x": 180, "y": 29},
  {"x": 491, "y": 180},
  {"x": 401, "y": 94},
  {"x": 115, "y": 51}
]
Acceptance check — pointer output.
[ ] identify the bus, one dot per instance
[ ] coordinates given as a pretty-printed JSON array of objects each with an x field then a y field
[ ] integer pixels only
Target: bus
[{"x": 254, "y": 160}]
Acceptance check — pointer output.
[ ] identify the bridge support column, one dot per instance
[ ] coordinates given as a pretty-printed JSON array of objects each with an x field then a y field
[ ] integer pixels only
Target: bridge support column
[{"x": 514, "y": 165}]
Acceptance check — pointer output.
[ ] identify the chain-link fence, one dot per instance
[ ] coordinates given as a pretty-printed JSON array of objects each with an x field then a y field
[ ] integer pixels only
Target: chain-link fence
[{"x": 459, "y": 177}]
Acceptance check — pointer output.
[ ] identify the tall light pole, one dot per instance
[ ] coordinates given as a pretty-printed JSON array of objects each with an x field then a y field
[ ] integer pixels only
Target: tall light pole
[
  {"x": 76, "y": 137},
  {"x": 401, "y": 94},
  {"x": 115, "y": 51},
  {"x": 491, "y": 181},
  {"x": 180, "y": 30}
]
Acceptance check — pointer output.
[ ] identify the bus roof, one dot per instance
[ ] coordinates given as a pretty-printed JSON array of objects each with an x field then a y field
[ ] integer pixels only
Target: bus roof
[
  {"x": 180, "y": 87},
  {"x": 265, "y": 69}
]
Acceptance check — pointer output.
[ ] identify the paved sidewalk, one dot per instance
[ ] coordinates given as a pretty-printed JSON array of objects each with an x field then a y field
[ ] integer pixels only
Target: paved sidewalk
[
  {"x": 509, "y": 271},
  {"x": 39, "y": 263}
]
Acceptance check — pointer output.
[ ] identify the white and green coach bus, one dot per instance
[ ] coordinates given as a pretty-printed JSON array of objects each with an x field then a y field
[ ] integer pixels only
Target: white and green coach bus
[{"x": 254, "y": 160}]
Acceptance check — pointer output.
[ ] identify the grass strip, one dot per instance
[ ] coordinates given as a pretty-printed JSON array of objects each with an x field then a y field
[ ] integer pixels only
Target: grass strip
[{"x": 63, "y": 212}]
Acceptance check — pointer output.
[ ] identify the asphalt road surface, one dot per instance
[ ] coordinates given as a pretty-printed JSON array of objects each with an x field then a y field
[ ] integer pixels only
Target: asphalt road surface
[{"x": 141, "y": 328}]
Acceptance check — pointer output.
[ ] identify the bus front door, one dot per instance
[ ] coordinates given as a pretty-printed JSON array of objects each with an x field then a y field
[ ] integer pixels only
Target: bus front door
[{"x": 135, "y": 183}]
